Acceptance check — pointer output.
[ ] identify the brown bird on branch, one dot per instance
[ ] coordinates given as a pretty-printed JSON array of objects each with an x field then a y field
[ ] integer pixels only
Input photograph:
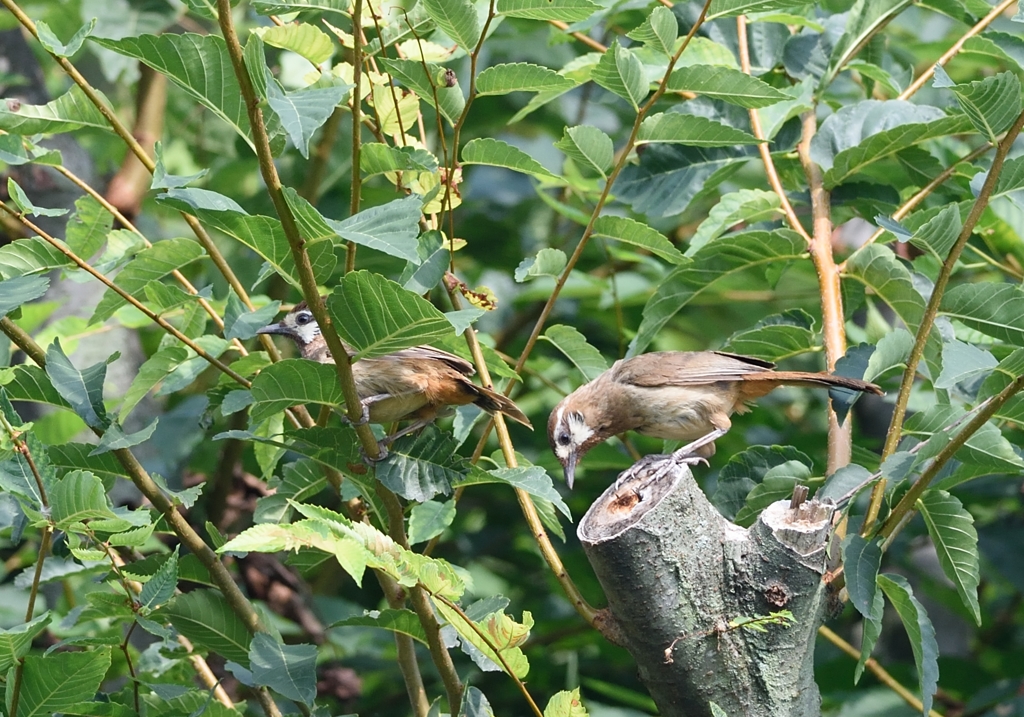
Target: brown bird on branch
[
  {"x": 675, "y": 395},
  {"x": 415, "y": 384}
]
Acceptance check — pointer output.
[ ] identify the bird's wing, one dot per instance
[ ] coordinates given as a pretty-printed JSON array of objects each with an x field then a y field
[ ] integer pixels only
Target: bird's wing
[
  {"x": 429, "y": 353},
  {"x": 686, "y": 368}
]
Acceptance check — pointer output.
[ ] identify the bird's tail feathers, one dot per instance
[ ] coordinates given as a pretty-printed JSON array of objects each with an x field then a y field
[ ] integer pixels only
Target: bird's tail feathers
[
  {"x": 803, "y": 378},
  {"x": 492, "y": 402}
]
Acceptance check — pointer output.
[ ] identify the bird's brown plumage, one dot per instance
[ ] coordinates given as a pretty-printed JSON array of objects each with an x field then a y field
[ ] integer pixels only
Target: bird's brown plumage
[{"x": 676, "y": 395}]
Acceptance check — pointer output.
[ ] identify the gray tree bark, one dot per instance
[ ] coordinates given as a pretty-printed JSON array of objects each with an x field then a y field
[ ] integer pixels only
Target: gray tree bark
[{"x": 676, "y": 573}]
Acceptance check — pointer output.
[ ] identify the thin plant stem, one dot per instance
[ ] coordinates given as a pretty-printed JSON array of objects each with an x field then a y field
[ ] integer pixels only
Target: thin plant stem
[
  {"x": 840, "y": 435},
  {"x": 585, "y": 39},
  {"x": 957, "y": 46},
  {"x": 766, "y": 156},
  {"x": 932, "y": 310},
  {"x": 877, "y": 670},
  {"x": 357, "y": 78},
  {"x": 152, "y": 316}
]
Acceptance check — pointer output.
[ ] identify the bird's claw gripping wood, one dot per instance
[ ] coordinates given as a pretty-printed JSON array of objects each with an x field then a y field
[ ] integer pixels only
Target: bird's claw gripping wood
[{"x": 659, "y": 464}]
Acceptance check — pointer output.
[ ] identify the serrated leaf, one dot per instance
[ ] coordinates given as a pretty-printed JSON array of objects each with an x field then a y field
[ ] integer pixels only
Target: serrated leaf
[
  {"x": 401, "y": 621},
  {"x": 872, "y": 629},
  {"x": 721, "y": 258},
  {"x": 535, "y": 481},
  {"x": 205, "y": 618},
  {"x": 502, "y": 631},
  {"x": 658, "y": 31},
  {"x": 377, "y": 158},
  {"x": 630, "y": 231},
  {"x": 963, "y": 362},
  {"x": 996, "y": 310},
  {"x": 26, "y": 206},
  {"x": 16, "y": 641},
  {"x": 861, "y": 560},
  {"x": 865, "y": 18},
  {"x": 566, "y": 703},
  {"x": 589, "y": 147},
  {"x": 449, "y": 100},
  {"x": 746, "y": 470},
  {"x": 289, "y": 670},
  {"x": 743, "y": 206},
  {"x": 21, "y": 290},
  {"x": 83, "y": 390},
  {"x": 732, "y": 8},
  {"x": 30, "y": 255},
  {"x": 776, "y": 337},
  {"x": 457, "y": 19},
  {"x": 940, "y": 232},
  {"x": 240, "y": 323},
  {"x": 548, "y": 262},
  {"x": 377, "y": 316},
  {"x": 52, "y": 682},
  {"x": 952, "y": 531},
  {"x": 563, "y": 10},
  {"x": 303, "y": 112},
  {"x": 291, "y": 382},
  {"x": 920, "y": 631},
  {"x": 496, "y": 153},
  {"x": 148, "y": 265},
  {"x": 88, "y": 227},
  {"x": 114, "y": 438},
  {"x": 992, "y": 103},
  {"x": 987, "y": 446},
  {"x": 198, "y": 64},
  {"x": 77, "y": 497},
  {"x": 301, "y": 38},
  {"x": 620, "y": 72},
  {"x": 520, "y": 77},
  {"x": 69, "y": 112},
  {"x": 574, "y": 345},
  {"x": 724, "y": 83},
  {"x": 160, "y": 588},
  {"x": 696, "y": 131},
  {"x": 154, "y": 370},
  {"x": 429, "y": 519},
  {"x": 420, "y": 466},
  {"x": 54, "y": 46}
]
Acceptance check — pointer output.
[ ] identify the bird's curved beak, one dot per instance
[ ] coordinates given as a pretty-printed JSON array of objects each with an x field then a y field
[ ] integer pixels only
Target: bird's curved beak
[
  {"x": 570, "y": 469},
  {"x": 277, "y": 328}
]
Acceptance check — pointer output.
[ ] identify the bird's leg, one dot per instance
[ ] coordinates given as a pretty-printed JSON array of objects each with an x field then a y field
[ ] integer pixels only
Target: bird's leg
[
  {"x": 691, "y": 453},
  {"x": 411, "y": 428},
  {"x": 366, "y": 403}
]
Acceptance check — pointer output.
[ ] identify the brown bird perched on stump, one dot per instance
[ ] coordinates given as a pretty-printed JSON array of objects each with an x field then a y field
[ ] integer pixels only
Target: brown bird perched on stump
[
  {"x": 414, "y": 384},
  {"x": 675, "y": 395}
]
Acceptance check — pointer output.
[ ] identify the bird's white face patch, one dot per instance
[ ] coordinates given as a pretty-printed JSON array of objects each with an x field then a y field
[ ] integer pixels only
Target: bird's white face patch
[
  {"x": 571, "y": 432},
  {"x": 304, "y": 325}
]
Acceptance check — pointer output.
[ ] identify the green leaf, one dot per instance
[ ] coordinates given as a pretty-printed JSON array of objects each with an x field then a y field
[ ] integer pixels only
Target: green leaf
[
  {"x": 25, "y": 205},
  {"x": 51, "y": 683},
  {"x": 723, "y": 257},
  {"x": 724, "y": 83},
  {"x": 391, "y": 228},
  {"x": 420, "y": 466},
  {"x": 83, "y": 390},
  {"x": 567, "y": 703},
  {"x": 620, "y": 72},
  {"x": 853, "y": 138},
  {"x": 732, "y": 8},
  {"x": 475, "y": 704},
  {"x": 155, "y": 369},
  {"x": 205, "y": 618},
  {"x": 377, "y": 158},
  {"x": 88, "y": 227},
  {"x": 564, "y": 10},
  {"x": 429, "y": 519},
  {"x": 148, "y": 265},
  {"x": 291, "y": 382},
  {"x": 743, "y": 206},
  {"x": 160, "y": 588},
  {"x": 746, "y": 470},
  {"x": 535, "y": 481},
  {"x": 278, "y": 7},
  {"x": 503, "y": 632},
  {"x": 21, "y": 290},
  {"x": 658, "y": 32},
  {"x": 16, "y": 641},
  {"x": 289, "y": 670},
  {"x": 865, "y": 18},
  {"x": 240, "y": 323},
  {"x": 520, "y": 77},
  {"x": 872, "y": 629},
  {"x": 69, "y": 112},
  {"x": 991, "y": 103},
  {"x": 301, "y": 38},
  {"x": 457, "y": 19},
  {"x": 30, "y": 255},
  {"x": 574, "y": 345},
  {"x": 940, "y": 232},
  {"x": 303, "y": 112},
  {"x": 54, "y": 46},
  {"x": 996, "y": 310},
  {"x": 776, "y": 337},
  {"x": 496, "y": 153},
  {"x": 589, "y": 147},
  {"x": 986, "y": 447},
  {"x": 449, "y": 100},
  {"x": 678, "y": 128},
  {"x": 548, "y": 262},
  {"x": 892, "y": 350},
  {"x": 377, "y": 316},
  {"x": 877, "y": 268},
  {"x": 198, "y": 64},
  {"x": 920, "y": 631},
  {"x": 630, "y": 231},
  {"x": 401, "y": 621},
  {"x": 861, "y": 560},
  {"x": 963, "y": 362},
  {"x": 777, "y": 484},
  {"x": 952, "y": 531},
  {"x": 77, "y": 497}
]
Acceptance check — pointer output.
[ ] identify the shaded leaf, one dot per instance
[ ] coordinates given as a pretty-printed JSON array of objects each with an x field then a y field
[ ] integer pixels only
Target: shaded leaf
[
  {"x": 51, "y": 683},
  {"x": 776, "y": 337},
  {"x": 724, "y": 83},
  {"x": 620, "y": 72},
  {"x": 920, "y": 631},
  {"x": 205, "y": 618},
  {"x": 289, "y": 670},
  {"x": 420, "y": 466},
  {"x": 861, "y": 560},
  {"x": 548, "y": 262},
  {"x": 589, "y": 147},
  {"x": 401, "y": 621},
  {"x": 996, "y": 310},
  {"x": 678, "y": 128},
  {"x": 630, "y": 231},
  {"x": 21, "y": 290},
  {"x": 951, "y": 528},
  {"x": 293, "y": 381},
  {"x": 429, "y": 519},
  {"x": 658, "y": 31},
  {"x": 83, "y": 390},
  {"x": 574, "y": 345}
]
